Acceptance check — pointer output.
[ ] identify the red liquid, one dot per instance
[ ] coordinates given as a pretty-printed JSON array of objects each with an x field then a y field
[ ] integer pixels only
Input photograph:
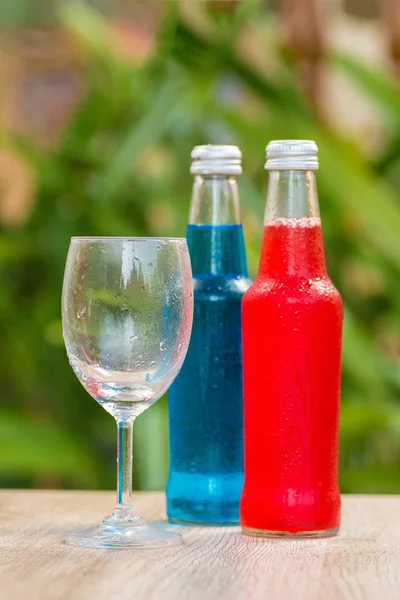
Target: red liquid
[{"x": 292, "y": 331}]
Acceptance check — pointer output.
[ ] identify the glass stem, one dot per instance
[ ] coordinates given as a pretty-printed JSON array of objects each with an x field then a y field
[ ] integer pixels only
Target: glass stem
[{"x": 124, "y": 466}]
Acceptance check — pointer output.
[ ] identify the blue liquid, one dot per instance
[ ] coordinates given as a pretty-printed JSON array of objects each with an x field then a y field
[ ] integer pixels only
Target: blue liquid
[{"x": 205, "y": 401}]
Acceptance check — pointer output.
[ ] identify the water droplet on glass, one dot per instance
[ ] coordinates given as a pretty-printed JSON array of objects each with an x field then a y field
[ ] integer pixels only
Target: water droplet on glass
[
  {"x": 163, "y": 345},
  {"x": 148, "y": 377},
  {"x": 81, "y": 311}
]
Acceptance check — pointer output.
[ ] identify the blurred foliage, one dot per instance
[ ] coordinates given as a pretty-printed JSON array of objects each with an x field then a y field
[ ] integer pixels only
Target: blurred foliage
[{"x": 121, "y": 167}]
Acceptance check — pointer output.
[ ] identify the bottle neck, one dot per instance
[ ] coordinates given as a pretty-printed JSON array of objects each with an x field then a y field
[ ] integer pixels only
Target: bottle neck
[
  {"x": 292, "y": 240},
  {"x": 215, "y": 236},
  {"x": 215, "y": 200}
]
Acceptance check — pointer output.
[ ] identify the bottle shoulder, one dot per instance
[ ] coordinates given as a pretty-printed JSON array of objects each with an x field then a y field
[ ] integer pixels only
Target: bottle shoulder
[
  {"x": 293, "y": 290},
  {"x": 235, "y": 285}
]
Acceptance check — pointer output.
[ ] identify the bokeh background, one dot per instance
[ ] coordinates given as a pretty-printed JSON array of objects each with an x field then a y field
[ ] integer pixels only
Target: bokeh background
[{"x": 100, "y": 106}]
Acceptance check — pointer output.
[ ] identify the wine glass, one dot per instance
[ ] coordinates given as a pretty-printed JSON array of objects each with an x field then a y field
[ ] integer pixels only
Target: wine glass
[{"x": 127, "y": 308}]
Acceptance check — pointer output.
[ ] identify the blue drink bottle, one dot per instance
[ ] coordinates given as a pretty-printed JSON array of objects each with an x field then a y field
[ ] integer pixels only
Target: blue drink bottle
[{"x": 205, "y": 401}]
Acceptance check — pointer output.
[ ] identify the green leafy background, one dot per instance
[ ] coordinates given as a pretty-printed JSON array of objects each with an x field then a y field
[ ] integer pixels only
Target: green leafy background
[{"x": 121, "y": 167}]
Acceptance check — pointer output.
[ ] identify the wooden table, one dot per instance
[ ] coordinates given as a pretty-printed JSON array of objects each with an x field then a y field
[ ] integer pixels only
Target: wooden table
[{"x": 362, "y": 563}]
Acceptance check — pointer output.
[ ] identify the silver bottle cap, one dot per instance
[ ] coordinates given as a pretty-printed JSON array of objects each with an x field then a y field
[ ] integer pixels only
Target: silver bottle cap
[
  {"x": 296, "y": 155},
  {"x": 216, "y": 160}
]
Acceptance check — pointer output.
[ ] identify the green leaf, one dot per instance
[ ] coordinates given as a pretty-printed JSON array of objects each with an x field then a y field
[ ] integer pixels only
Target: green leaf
[
  {"x": 380, "y": 87},
  {"x": 88, "y": 26},
  {"x": 147, "y": 130},
  {"x": 32, "y": 447}
]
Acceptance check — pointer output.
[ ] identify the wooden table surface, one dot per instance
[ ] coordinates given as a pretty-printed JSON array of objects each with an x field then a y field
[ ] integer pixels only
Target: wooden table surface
[{"x": 363, "y": 562}]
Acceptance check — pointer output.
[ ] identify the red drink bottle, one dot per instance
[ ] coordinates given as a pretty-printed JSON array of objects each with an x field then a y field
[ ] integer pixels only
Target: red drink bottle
[{"x": 292, "y": 334}]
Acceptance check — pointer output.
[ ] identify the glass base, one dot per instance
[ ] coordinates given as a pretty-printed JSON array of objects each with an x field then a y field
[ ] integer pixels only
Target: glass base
[
  {"x": 287, "y": 534},
  {"x": 131, "y": 533}
]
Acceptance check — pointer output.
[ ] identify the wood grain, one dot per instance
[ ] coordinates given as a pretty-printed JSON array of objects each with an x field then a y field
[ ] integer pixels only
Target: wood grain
[{"x": 362, "y": 563}]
